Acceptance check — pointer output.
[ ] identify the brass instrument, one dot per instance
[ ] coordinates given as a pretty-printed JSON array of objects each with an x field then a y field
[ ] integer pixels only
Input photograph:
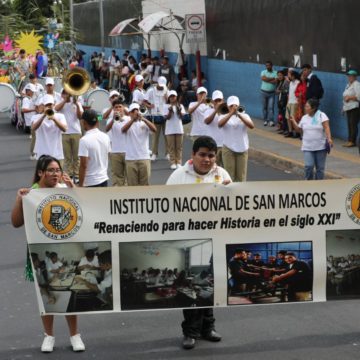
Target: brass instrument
[
  {"x": 49, "y": 112},
  {"x": 76, "y": 81},
  {"x": 143, "y": 110},
  {"x": 223, "y": 109},
  {"x": 208, "y": 101}
]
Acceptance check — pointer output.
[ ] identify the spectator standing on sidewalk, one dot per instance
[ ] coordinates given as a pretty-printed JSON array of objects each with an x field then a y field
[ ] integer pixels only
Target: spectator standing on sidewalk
[
  {"x": 268, "y": 86},
  {"x": 282, "y": 91},
  {"x": 314, "y": 87},
  {"x": 292, "y": 104},
  {"x": 351, "y": 98}
]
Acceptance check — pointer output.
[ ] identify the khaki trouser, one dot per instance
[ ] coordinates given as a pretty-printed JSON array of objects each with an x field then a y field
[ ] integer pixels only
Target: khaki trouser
[
  {"x": 219, "y": 157},
  {"x": 71, "y": 150},
  {"x": 138, "y": 172},
  {"x": 302, "y": 296},
  {"x": 160, "y": 128},
  {"x": 291, "y": 110},
  {"x": 235, "y": 164},
  {"x": 175, "y": 145},
  {"x": 118, "y": 169},
  {"x": 33, "y": 139}
]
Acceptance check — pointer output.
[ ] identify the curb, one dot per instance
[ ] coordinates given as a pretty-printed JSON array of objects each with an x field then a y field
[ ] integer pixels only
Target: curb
[{"x": 284, "y": 163}]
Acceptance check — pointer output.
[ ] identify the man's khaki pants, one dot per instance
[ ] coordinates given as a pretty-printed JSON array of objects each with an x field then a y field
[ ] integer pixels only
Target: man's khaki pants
[
  {"x": 118, "y": 169},
  {"x": 160, "y": 128},
  {"x": 138, "y": 172},
  {"x": 175, "y": 145},
  {"x": 71, "y": 151},
  {"x": 235, "y": 164}
]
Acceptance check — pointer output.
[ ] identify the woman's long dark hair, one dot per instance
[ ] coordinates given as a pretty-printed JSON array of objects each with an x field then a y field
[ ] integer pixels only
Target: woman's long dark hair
[{"x": 42, "y": 164}]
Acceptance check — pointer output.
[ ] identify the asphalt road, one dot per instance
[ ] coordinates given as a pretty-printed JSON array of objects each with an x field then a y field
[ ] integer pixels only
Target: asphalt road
[{"x": 312, "y": 331}]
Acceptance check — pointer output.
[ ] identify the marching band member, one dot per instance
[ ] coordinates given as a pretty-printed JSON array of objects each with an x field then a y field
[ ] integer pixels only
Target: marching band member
[
  {"x": 114, "y": 127},
  {"x": 49, "y": 127},
  {"x": 174, "y": 129},
  {"x": 137, "y": 157},
  {"x": 212, "y": 120},
  {"x": 197, "y": 110},
  {"x": 155, "y": 100},
  {"x": 108, "y": 112},
  {"x": 50, "y": 90},
  {"x": 138, "y": 94},
  {"x": 72, "y": 109},
  {"x": 236, "y": 141},
  {"x": 28, "y": 109}
]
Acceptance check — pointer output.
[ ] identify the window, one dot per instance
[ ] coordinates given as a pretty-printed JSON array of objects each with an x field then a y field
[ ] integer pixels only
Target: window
[{"x": 200, "y": 254}]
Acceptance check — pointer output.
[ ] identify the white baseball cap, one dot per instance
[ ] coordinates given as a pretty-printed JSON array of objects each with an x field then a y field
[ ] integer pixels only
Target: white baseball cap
[
  {"x": 49, "y": 81},
  {"x": 201, "y": 89},
  {"x": 217, "y": 94},
  {"x": 162, "y": 81},
  {"x": 30, "y": 87},
  {"x": 48, "y": 99},
  {"x": 233, "y": 100},
  {"x": 134, "y": 106},
  {"x": 139, "y": 78},
  {"x": 113, "y": 92},
  {"x": 172, "y": 92}
]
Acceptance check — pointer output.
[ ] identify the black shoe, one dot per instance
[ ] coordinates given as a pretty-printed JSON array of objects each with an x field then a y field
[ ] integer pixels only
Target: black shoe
[
  {"x": 188, "y": 342},
  {"x": 288, "y": 135},
  {"x": 212, "y": 336}
]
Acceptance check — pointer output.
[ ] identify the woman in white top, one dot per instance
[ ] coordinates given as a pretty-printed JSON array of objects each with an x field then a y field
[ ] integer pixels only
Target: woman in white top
[
  {"x": 292, "y": 104},
  {"x": 316, "y": 139},
  {"x": 351, "y": 98},
  {"x": 173, "y": 112},
  {"x": 235, "y": 140},
  {"x": 48, "y": 174}
]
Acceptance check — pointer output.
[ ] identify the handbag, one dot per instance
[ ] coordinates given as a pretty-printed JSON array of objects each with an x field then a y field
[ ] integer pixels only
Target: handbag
[{"x": 327, "y": 146}]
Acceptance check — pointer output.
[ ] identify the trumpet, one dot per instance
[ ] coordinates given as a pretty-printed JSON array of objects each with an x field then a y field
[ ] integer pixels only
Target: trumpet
[
  {"x": 143, "y": 110},
  {"x": 117, "y": 117},
  {"x": 49, "y": 112},
  {"x": 208, "y": 101},
  {"x": 224, "y": 110}
]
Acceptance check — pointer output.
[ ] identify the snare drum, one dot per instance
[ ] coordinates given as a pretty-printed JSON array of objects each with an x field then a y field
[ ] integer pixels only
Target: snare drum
[
  {"x": 7, "y": 97},
  {"x": 98, "y": 100}
]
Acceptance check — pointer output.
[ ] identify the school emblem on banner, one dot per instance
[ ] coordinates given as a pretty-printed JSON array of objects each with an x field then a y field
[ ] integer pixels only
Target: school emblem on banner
[
  {"x": 59, "y": 217},
  {"x": 353, "y": 204}
]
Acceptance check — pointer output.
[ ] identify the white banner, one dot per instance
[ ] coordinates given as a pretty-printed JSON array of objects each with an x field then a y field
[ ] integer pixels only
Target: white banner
[{"x": 165, "y": 247}]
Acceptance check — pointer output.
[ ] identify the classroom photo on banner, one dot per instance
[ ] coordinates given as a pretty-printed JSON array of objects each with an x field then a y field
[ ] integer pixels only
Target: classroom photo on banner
[
  {"x": 73, "y": 277},
  {"x": 274, "y": 272},
  {"x": 166, "y": 274},
  {"x": 343, "y": 264}
]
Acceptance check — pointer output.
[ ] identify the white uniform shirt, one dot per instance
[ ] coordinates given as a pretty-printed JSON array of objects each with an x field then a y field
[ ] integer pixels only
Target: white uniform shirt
[
  {"x": 49, "y": 137},
  {"x": 85, "y": 261},
  {"x": 28, "y": 103},
  {"x": 53, "y": 266},
  {"x": 70, "y": 113},
  {"x": 187, "y": 175},
  {"x": 117, "y": 137},
  {"x": 107, "y": 282},
  {"x": 213, "y": 129},
  {"x": 174, "y": 124},
  {"x": 137, "y": 141},
  {"x": 199, "y": 128},
  {"x": 235, "y": 136},
  {"x": 314, "y": 137},
  {"x": 158, "y": 99},
  {"x": 56, "y": 95},
  {"x": 138, "y": 96},
  {"x": 95, "y": 145}
]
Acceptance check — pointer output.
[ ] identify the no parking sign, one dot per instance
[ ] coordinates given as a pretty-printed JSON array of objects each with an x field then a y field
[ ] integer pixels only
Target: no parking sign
[{"x": 195, "y": 28}]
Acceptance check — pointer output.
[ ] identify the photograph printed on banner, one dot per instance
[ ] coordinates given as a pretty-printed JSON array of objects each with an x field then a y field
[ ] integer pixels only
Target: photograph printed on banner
[
  {"x": 73, "y": 277},
  {"x": 343, "y": 264},
  {"x": 166, "y": 274},
  {"x": 273, "y": 272}
]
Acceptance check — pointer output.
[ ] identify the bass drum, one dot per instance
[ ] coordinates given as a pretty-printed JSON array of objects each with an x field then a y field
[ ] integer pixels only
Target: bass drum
[
  {"x": 7, "y": 97},
  {"x": 98, "y": 100}
]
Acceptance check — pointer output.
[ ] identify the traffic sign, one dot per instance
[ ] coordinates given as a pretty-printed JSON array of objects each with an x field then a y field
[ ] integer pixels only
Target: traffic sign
[{"x": 195, "y": 28}]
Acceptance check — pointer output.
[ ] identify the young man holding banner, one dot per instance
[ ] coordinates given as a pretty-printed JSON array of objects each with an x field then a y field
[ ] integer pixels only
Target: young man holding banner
[{"x": 199, "y": 323}]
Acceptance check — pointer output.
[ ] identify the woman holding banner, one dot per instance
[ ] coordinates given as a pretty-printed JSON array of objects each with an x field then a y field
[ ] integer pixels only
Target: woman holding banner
[{"x": 48, "y": 174}]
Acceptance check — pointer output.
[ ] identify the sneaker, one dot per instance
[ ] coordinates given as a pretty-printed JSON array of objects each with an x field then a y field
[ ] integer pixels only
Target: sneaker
[
  {"x": 212, "y": 336},
  {"x": 173, "y": 166},
  {"x": 33, "y": 157},
  {"x": 271, "y": 123},
  {"x": 188, "y": 342},
  {"x": 30, "y": 136},
  {"x": 48, "y": 344},
  {"x": 167, "y": 156},
  {"x": 348, "y": 144},
  {"x": 153, "y": 157},
  {"x": 76, "y": 180},
  {"x": 77, "y": 343},
  {"x": 178, "y": 166},
  {"x": 265, "y": 123}
]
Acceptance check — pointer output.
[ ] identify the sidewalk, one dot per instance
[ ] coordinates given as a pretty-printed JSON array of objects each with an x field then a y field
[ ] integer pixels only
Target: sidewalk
[{"x": 271, "y": 148}]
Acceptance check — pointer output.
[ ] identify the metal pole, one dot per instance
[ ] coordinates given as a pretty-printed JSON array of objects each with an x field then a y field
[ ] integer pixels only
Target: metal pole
[
  {"x": 101, "y": 14},
  {"x": 71, "y": 20}
]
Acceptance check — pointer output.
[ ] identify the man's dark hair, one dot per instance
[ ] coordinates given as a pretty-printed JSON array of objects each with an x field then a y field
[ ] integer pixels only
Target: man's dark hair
[
  {"x": 32, "y": 76},
  {"x": 290, "y": 254},
  {"x": 117, "y": 102},
  {"x": 34, "y": 256},
  {"x": 282, "y": 252},
  {"x": 306, "y": 66},
  {"x": 206, "y": 142},
  {"x": 113, "y": 51},
  {"x": 90, "y": 117},
  {"x": 90, "y": 253},
  {"x": 239, "y": 250},
  {"x": 269, "y": 62},
  {"x": 22, "y": 51},
  {"x": 105, "y": 257},
  {"x": 53, "y": 254}
]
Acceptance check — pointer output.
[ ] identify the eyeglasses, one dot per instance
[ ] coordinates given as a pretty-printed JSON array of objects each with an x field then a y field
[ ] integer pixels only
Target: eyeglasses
[
  {"x": 52, "y": 171},
  {"x": 204, "y": 155}
]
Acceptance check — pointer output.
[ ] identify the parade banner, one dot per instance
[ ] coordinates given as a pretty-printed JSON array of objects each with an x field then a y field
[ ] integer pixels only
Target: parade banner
[{"x": 169, "y": 247}]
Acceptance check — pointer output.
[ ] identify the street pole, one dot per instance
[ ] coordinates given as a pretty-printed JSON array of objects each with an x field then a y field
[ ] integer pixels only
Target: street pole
[
  {"x": 101, "y": 14},
  {"x": 71, "y": 20}
]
